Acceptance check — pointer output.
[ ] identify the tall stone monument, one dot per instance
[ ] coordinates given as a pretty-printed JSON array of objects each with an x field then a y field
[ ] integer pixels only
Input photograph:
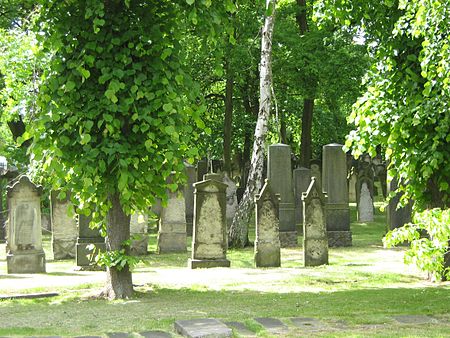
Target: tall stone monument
[
  {"x": 189, "y": 197},
  {"x": 334, "y": 183},
  {"x": 24, "y": 246},
  {"x": 302, "y": 179},
  {"x": 315, "y": 239},
  {"x": 172, "y": 225},
  {"x": 139, "y": 233},
  {"x": 279, "y": 173},
  {"x": 64, "y": 227},
  {"x": 209, "y": 240},
  {"x": 86, "y": 238},
  {"x": 267, "y": 242}
]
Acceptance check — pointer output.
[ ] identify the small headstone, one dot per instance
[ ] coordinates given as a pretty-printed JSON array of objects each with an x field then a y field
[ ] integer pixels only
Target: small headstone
[
  {"x": 315, "y": 240},
  {"x": 365, "y": 189},
  {"x": 189, "y": 197},
  {"x": 302, "y": 178},
  {"x": 241, "y": 329},
  {"x": 365, "y": 204},
  {"x": 273, "y": 325},
  {"x": 334, "y": 183},
  {"x": 118, "y": 335},
  {"x": 232, "y": 202},
  {"x": 86, "y": 237},
  {"x": 64, "y": 227},
  {"x": 279, "y": 173},
  {"x": 209, "y": 240},
  {"x": 139, "y": 233},
  {"x": 155, "y": 334},
  {"x": 24, "y": 247},
  {"x": 202, "y": 328},
  {"x": 308, "y": 324},
  {"x": 415, "y": 319},
  {"x": 172, "y": 225},
  {"x": 267, "y": 242}
]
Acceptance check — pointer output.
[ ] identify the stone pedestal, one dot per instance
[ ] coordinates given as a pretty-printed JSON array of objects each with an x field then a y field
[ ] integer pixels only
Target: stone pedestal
[
  {"x": 64, "y": 227},
  {"x": 86, "y": 237},
  {"x": 334, "y": 183},
  {"x": 24, "y": 247},
  {"x": 302, "y": 179},
  {"x": 189, "y": 197},
  {"x": 209, "y": 240},
  {"x": 279, "y": 173},
  {"x": 139, "y": 233}
]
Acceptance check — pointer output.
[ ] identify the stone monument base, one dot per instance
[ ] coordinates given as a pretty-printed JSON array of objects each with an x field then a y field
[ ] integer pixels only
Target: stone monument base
[
  {"x": 64, "y": 249},
  {"x": 288, "y": 239},
  {"x": 267, "y": 255},
  {"x": 208, "y": 263},
  {"x": 139, "y": 246},
  {"x": 171, "y": 242},
  {"x": 339, "y": 238},
  {"x": 26, "y": 262},
  {"x": 83, "y": 253}
]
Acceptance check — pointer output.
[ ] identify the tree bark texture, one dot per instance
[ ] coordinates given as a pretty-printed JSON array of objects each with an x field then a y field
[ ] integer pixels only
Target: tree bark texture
[
  {"x": 238, "y": 232},
  {"x": 306, "y": 145},
  {"x": 228, "y": 123},
  {"x": 119, "y": 283}
]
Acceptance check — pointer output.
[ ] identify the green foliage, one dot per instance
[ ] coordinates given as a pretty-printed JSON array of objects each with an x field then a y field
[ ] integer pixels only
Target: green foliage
[
  {"x": 427, "y": 252},
  {"x": 113, "y": 258}
]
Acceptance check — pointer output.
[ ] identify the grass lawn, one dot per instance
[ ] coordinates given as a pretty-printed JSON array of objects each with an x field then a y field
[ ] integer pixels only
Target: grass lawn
[{"x": 364, "y": 287}]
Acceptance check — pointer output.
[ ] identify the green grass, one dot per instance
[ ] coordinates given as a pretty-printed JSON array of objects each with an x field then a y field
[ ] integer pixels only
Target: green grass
[{"x": 364, "y": 286}]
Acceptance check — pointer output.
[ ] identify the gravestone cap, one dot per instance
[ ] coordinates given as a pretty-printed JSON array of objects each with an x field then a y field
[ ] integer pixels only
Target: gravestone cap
[{"x": 23, "y": 180}]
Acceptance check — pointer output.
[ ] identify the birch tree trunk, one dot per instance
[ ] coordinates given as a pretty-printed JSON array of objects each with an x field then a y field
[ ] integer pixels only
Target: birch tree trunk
[{"x": 238, "y": 232}]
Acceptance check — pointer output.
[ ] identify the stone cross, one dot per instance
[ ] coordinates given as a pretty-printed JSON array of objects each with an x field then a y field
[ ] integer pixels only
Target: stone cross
[
  {"x": 209, "y": 240},
  {"x": 64, "y": 227},
  {"x": 267, "y": 243},
  {"x": 24, "y": 247},
  {"x": 315, "y": 239}
]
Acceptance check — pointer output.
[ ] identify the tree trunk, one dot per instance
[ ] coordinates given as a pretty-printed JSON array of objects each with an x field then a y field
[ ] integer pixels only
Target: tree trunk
[
  {"x": 238, "y": 232},
  {"x": 227, "y": 124},
  {"x": 2, "y": 219},
  {"x": 305, "y": 145},
  {"x": 119, "y": 283}
]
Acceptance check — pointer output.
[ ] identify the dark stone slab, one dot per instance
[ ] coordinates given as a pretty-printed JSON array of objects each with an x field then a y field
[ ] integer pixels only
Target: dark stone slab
[
  {"x": 306, "y": 323},
  {"x": 273, "y": 325},
  {"x": 414, "y": 319},
  {"x": 118, "y": 335},
  {"x": 241, "y": 329},
  {"x": 88, "y": 337},
  {"x": 202, "y": 328},
  {"x": 30, "y": 295},
  {"x": 155, "y": 334}
]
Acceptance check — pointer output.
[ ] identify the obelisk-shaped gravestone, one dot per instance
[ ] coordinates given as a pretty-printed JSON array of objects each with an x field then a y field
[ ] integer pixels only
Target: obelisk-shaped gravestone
[
  {"x": 139, "y": 233},
  {"x": 209, "y": 240},
  {"x": 334, "y": 183},
  {"x": 24, "y": 247},
  {"x": 279, "y": 174},
  {"x": 315, "y": 239},
  {"x": 267, "y": 242},
  {"x": 64, "y": 227},
  {"x": 302, "y": 179}
]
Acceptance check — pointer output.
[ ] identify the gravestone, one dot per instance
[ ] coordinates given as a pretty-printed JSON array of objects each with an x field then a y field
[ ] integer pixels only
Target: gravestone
[
  {"x": 139, "y": 233},
  {"x": 202, "y": 328},
  {"x": 202, "y": 169},
  {"x": 64, "y": 227},
  {"x": 24, "y": 247},
  {"x": 365, "y": 204},
  {"x": 189, "y": 197},
  {"x": 302, "y": 178},
  {"x": 86, "y": 238},
  {"x": 352, "y": 181},
  {"x": 397, "y": 217},
  {"x": 232, "y": 202},
  {"x": 172, "y": 224},
  {"x": 209, "y": 240},
  {"x": 315, "y": 239},
  {"x": 316, "y": 171},
  {"x": 279, "y": 173},
  {"x": 334, "y": 183},
  {"x": 267, "y": 242}
]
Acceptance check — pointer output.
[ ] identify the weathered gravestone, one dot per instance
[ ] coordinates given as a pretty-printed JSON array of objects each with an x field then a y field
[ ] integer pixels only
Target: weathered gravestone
[
  {"x": 397, "y": 216},
  {"x": 232, "y": 202},
  {"x": 64, "y": 227},
  {"x": 352, "y": 181},
  {"x": 88, "y": 237},
  {"x": 139, "y": 233},
  {"x": 334, "y": 183},
  {"x": 279, "y": 173},
  {"x": 315, "y": 239},
  {"x": 172, "y": 225},
  {"x": 209, "y": 240},
  {"x": 202, "y": 169},
  {"x": 267, "y": 242},
  {"x": 302, "y": 178},
  {"x": 189, "y": 197},
  {"x": 24, "y": 247},
  {"x": 365, "y": 190}
]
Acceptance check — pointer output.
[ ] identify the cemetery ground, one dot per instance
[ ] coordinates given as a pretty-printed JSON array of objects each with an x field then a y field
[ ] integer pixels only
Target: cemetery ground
[{"x": 365, "y": 291}]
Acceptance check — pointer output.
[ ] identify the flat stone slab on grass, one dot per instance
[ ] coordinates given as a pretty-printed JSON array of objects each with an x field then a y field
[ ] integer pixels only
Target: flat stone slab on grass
[
  {"x": 155, "y": 334},
  {"x": 415, "y": 319},
  {"x": 30, "y": 295},
  {"x": 118, "y": 335},
  {"x": 202, "y": 328},
  {"x": 273, "y": 325},
  {"x": 241, "y": 329},
  {"x": 309, "y": 323}
]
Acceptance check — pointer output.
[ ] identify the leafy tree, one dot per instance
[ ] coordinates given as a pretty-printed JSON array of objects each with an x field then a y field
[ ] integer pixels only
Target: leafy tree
[{"x": 115, "y": 109}]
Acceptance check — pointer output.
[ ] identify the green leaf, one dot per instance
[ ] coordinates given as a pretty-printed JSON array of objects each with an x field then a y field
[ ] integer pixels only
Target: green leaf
[{"x": 190, "y": 2}]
